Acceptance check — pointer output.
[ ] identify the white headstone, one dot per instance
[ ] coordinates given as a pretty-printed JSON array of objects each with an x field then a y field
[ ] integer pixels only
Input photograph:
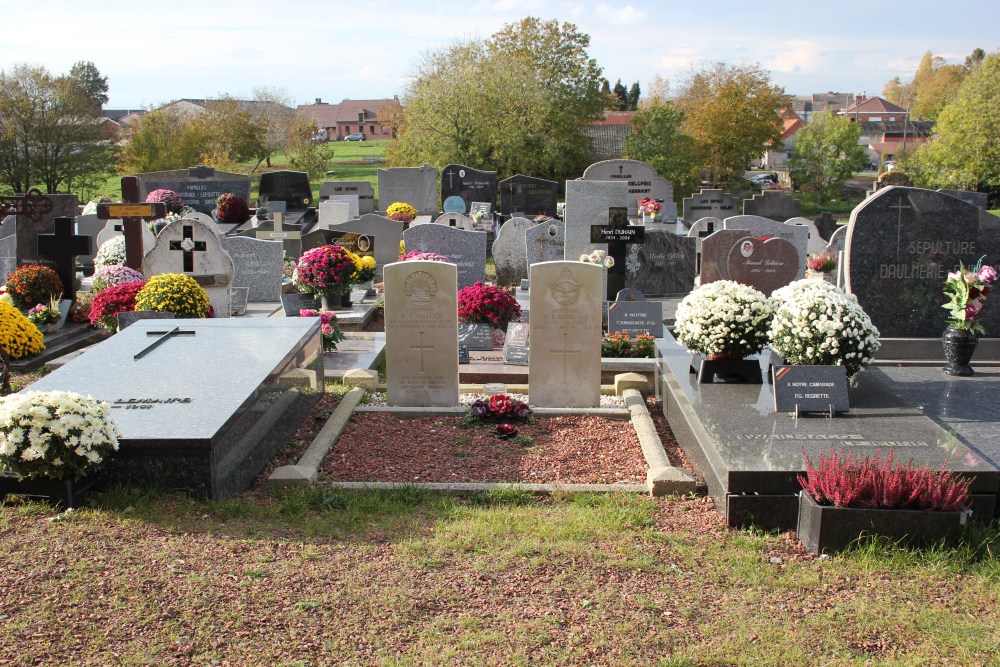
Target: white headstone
[
  {"x": 114, "y": 228},
  {"x": 333, "y": 212},
  {"x": 815, "y": 242}
]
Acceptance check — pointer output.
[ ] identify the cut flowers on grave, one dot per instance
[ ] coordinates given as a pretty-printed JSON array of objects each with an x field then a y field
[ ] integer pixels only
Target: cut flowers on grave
[
  {"x": 499, "y": 408},
  {"x": 599, "y": 257},
  {"x": 823, "y": 262},
  {"x": 650, "y": 206},
  {"x": 112, "y": 300},
  {"x": 45, "y": 314},
  {"x": 326, "y": 270},
  {"x": 967, "y": 290},
  {"x": 18, "y": 336},
  {"x": 486, "y": 304},
  {"x": 723, "y": 317},
  {"x": 31, "y": 284},
  {"x": 55, "y": 434},
  {"x": 817, "y": 324},
  {"x": 328, "y": 326}
]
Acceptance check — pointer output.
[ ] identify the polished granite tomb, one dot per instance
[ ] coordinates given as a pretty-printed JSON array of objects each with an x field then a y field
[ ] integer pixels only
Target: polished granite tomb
[
  {"x": 750, "y": 455},
  {"x": 205, "y": 407}
]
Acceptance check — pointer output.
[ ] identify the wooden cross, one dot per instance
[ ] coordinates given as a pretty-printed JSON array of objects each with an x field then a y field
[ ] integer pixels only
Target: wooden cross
[
  {"x": 132, "y": 212},
  {"x": 899, "y": 222},
  {"x": 618, "y": 234},
  {"x": 63, "y": 246},
  {"x": 188, "y": 246},
  {"x": 164, "y": 336},
  {"x": 421, "y": 347},
  {"x": 565, "y": 352},
  {"x": 32, "y": 204}
]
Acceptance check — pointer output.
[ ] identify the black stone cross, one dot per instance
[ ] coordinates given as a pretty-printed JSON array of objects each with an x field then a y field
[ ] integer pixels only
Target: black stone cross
[
  {"x": 188, "y": 246},
  {"x": 164, "y": 336},
  {"x": 618, "y": 234},
  {"x": 62, "y": 247}
]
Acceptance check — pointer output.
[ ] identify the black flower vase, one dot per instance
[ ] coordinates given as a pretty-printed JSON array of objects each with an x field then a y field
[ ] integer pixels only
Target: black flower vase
[
  {"x": 959, "y": 346},
  {"x": 345, "y": 300}
]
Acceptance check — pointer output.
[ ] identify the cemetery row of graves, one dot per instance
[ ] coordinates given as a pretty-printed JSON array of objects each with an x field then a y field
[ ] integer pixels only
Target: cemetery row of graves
[{"x": 772, "y": 340}]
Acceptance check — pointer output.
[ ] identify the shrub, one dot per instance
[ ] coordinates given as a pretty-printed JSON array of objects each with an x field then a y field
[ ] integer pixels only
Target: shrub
[
  {"x": 168, "y": 197},
  {"x": 175, "y": 293},
  {"x": 620, "y": 344},
  {"x": 55, "y": 434},
  {"x": 723, "y": 317},
  {"x": 844, "y": 481},
  {"x": 231, "y": 209},
  {"x": 18, "y": 336},
  {"x": 32, "y": 284},
  {"x": 115, "y": 274},
  {"x": 485, "y": 304},
  {"x": 111, "y": 252},
  {"x": 112, "y": 300}
]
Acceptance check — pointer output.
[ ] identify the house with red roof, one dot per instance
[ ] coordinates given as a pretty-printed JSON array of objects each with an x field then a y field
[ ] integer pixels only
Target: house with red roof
[{"x": 348, "y": 117}]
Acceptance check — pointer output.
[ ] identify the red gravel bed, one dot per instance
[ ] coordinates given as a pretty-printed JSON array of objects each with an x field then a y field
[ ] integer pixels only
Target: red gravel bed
[{"x": 379, "y": 447}]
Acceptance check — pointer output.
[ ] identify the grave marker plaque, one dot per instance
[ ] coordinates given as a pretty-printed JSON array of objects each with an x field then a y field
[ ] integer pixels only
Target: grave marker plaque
[
  {"x": 618, "y": 235},
  {"x": 636, "y": 317},
  {"x": 528, "y": 196},
  {"x": 469, "y": 185},
  {"x": 198, "y": 187}
]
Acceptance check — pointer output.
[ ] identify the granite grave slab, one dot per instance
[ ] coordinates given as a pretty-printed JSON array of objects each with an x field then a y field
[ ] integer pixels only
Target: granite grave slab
[
  {"x": 466, "y": 249},
  {"x": 468, "y": 185},
  {"x": 417, "y": 186},
  {"x": 291, "y": 187},
  {"x": 663, "y": 265},
  {"x": 198, "y": 187},
  {"x": 257, "y": 265},
  {"x": 636, "y": 317}
]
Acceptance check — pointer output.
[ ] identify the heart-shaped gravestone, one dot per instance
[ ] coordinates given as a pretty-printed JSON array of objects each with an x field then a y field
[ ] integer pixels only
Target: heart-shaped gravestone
[{"x": 765, "y": 265}]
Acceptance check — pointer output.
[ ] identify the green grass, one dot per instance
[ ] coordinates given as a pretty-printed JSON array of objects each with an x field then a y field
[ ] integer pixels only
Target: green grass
[{"x": 995, "y": 211}]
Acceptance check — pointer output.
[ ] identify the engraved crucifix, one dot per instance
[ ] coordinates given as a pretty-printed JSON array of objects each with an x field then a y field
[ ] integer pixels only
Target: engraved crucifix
[
  {"x": 899, "y": 222},
  {"x": 421, "y": 347},
  {"x": 565, "y": 352}
]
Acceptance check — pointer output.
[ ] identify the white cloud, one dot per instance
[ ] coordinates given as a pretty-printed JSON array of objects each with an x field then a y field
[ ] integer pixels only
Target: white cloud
[
  {"x": 627, "y": 15},
  {"x": 796, "y": 56}
]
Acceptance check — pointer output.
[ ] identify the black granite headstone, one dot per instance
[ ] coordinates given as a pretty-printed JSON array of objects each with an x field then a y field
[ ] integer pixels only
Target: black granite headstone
[
  {"x": 663, "y": 265},
  {"x": 528, "y": 196},
  {"x": 468, "y": 185},
  {"x": 291, "y": 187},
  {"x": 475, "y": 336},
  {"x": 636, "y": 317}
]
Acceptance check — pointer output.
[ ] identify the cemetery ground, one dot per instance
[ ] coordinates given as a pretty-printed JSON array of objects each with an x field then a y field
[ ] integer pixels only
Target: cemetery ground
[{"x": 329, "y": 576}]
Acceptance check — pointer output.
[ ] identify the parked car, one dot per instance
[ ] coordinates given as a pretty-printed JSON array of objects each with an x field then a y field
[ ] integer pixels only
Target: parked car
[
  {"x": 763, "y": 179},
  {"x": 357, "y": 136}
]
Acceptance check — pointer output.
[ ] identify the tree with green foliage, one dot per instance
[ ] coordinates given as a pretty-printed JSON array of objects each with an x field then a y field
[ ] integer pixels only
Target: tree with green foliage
[
  {"x": 733, "y": 112},
  {"x": 657, "y": 139},
  {"x": 90, "y": 83},
  {"x": 51, "y": 131},
  {"x": 516, "y": 102},
  {"x": 965, "y": 152},
  {"x": 303, "y": 151},
  {"x": 633, "y": 96},
  {"x": 827, "y": 153},
  {"x": 934, "y": 84},
  {"x": 160, "y": 140},
  {"x": 621, "y": 95}
]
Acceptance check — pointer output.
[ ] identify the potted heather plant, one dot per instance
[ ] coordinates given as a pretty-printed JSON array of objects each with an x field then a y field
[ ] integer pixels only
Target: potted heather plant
[
  {"x": 966, "y": 290},
  {"x": 821, "y": 265},
  {"x": 844, "y": 498}
]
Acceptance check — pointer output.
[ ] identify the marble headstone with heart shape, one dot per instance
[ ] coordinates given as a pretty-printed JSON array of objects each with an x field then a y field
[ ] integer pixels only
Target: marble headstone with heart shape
[{"x": 764, "y": 265}]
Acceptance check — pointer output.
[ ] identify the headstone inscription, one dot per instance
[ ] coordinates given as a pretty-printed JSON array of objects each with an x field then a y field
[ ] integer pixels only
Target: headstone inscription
[
  {"x": 764, "y": 265},
  {"x": 664, "y": 264},
  {"x": 565, "y": 330},
  {"x": 545, "y": 242},
  {"x": 642, "y": 180},
  {"x": 198, "y": 187},
  {"x": 901, "y": 244},
  {"x": 509, "y": 253},
  {"x": 360, "y": 189},
  {"x": 204, "y": 411},
  {"x": 421, "y": 333},
  {"x": 387, "y": 234},
  {"x": 773, "y": 204},
  {"x": 528, "y": 196},
  {"x": 475, "y": 336},
  {"x": 618, "y": 235},
  {"x": 62, "y": 247},
  {"x": 636, "y": 317},
  {"x": 193, "y": 248},
  {"x": 765, "y": 227},
  {"x": 466, "y": 249},
  {"x": 257, "y": 265},
  {"x": 710, "y": 203},
  {"x": 26, "y": 229},
  {"x": 291, "y": 187},
  {"x": 515, "y": 344},
  {"x": 587, "y": 204},
  {"x": 334, "y": 211},
  {"x": 415, "y": 186},
  {"x": 468, "y": 185}
]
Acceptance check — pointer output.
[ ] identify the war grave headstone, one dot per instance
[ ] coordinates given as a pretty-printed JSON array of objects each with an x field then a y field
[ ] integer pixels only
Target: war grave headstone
[
  {"x": 334, "y": 212},
  {"x": 509, "y": 252},
  {"x": 663, "y": 265},
  {"x": 978, "y": 199},
  {"x": 619, "y": 237},
  {"x": 60, "y": 248},
  {"x": 528, "y": 196},
  {"x": 711, "y": 203},
  {"x": 204, "y": 404},
  {"x": 468, "y": 185},
  {"x": 901, "y": 244},
  {"x": 750, "y": 454},
  {"x": 758, "y": 226},
  {"x": 587, "y": 204},
  {"x": 545, "y": 242},
  {"x": 515, "y": 344},
  {"x": 257, "y": 265},
  {"x": 826, "y": 224},
  {"x": 198, "y": 187},
  {"x": 814, "y": 241},
  {"x": 635, "y": 316},
  {"x": 564, "y": 369},
  {"x": 421, "y": 333},
  {"x": 361, "y": 189},
  {"x": 466, "y": 249},
  {"x": 416, "y": 186},
  {"x": 642, "y": 180},
  {"x": 387, "y": 233},
  {"x": 457, "y": 220},
  {"x": 774, "y": 205},
  {"x": 193, "y": 248}
]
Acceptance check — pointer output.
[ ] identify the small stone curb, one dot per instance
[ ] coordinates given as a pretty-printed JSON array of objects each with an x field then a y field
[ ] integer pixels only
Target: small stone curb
[
  {"x": 479, "y": 487},
  {"x": 662, "y": 479}
]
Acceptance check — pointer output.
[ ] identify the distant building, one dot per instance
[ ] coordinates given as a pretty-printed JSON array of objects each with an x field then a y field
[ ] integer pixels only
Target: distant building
[
  {"x": 873, "y": 109},
  {"x": 193, "y": 106},
  {"x": 777, "y": 157},
  {"x": 885, "y": 140},
  {"x": 117, "y": 120},
  {"x": 607, "y": 135},
  {"x": 337, "y": 121},
  {"x": 805, "y": 106}
]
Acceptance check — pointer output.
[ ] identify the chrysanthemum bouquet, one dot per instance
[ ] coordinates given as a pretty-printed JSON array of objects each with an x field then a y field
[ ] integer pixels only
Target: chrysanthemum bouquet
[
  {"x": 723, "y": 318},
  {"x": 326, "y": 270}
]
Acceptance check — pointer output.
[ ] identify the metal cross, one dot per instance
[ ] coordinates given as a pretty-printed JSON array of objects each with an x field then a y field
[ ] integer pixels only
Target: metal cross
[
  {"x": 565, "y": 352},
  {"x": 164, "y": 336},
  {"x": 189, "y": 246},
  {"x": 899, "y": 222},
  {"x": 421, "y": 347},
  {"x": 31, "y": 204}
]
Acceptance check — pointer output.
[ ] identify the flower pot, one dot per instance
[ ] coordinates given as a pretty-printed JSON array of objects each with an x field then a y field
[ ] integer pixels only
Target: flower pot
[
  {"x": 65, "y": 492},
  {"x": 959, "y": 346},
  {"x": 825, "y": 528},
  {"x": 345, "y": 301}
]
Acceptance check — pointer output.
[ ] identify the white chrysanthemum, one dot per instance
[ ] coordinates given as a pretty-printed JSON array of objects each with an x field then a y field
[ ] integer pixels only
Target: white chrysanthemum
[{"x": 723, "y": 317}]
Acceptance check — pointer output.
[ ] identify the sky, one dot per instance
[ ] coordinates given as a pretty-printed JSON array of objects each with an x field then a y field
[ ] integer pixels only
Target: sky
[{"x": 155, "y": 52}]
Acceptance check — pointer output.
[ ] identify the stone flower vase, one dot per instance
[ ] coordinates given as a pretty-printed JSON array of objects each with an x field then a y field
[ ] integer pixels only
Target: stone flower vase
[{"x": 959, "y": 346}]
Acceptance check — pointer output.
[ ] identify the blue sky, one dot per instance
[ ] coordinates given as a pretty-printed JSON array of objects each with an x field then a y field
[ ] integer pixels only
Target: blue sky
[{"x": 155, "y": 52}]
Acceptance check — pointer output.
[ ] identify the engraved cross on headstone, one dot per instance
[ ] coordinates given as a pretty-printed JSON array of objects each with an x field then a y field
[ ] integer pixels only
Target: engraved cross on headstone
[
  {"x": 421, "y": 347},
  {"x": 63, "y": 246},
  {"x": 899, "y": 222},
  {"x": 164, "y": 336},
  {"x": 565, "y": 352},
  {"x": 188, "y": 246}
]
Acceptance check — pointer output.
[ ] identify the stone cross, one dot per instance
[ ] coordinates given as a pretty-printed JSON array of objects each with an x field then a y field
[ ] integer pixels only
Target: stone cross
[
  {"x": 63, "y": 246},
  {"x": 188, "y": 246},
  {"x": 132, "y": 212},
  {"x": 279, "y": 232},
  {"x": 618, "y": 234}
]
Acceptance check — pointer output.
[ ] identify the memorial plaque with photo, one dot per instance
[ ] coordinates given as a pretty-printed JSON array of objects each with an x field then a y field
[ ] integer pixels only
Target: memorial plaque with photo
[{"x": 763, "y": 265}]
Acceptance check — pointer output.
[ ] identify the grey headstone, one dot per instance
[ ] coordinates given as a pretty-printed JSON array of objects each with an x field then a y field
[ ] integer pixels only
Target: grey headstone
[
  {"x": 8, "y": 256},
  {"x": 334, "y": 212},
  {"x": 468, "y": 184},
  {"x": 901, "y": 244},
  {"x": 636, "y": 317},
  {"x": 758, "y": 226},
  {"x": 815, "y": 242},
  {"x": 664, "y": 264},
  {"x": 417, "y": 186},
  {"x": 361, "y": 189},
  {"x": 129, "y": 317},
  {"x": 509, "y": 252},
  {"x": 89, "y": 225},
  {"x": 773, "y": 204},
  {"x": 826, "y": 224},
  {"x": 545, "y": 242},
  {"x": 528, "y": 196},
  {"x": 463, "y": 248},
  {"x": 294, "y": 302},
  {"x": 710, "y": 204},
  {"x": 587, "y": 204},
  {"x": 198, "y": 188},
  {"x": 643, "y": 181},
  {"x": 456, "y": 220},
  {"x": 240, "y": 296},
  {"x": 980, "y": 200},
  {"x": 257, "y": 265},
  {"x": 838, "y": 241},
  {"x": 388, "y": 233},
  {"x": 353, "y": 206}
]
